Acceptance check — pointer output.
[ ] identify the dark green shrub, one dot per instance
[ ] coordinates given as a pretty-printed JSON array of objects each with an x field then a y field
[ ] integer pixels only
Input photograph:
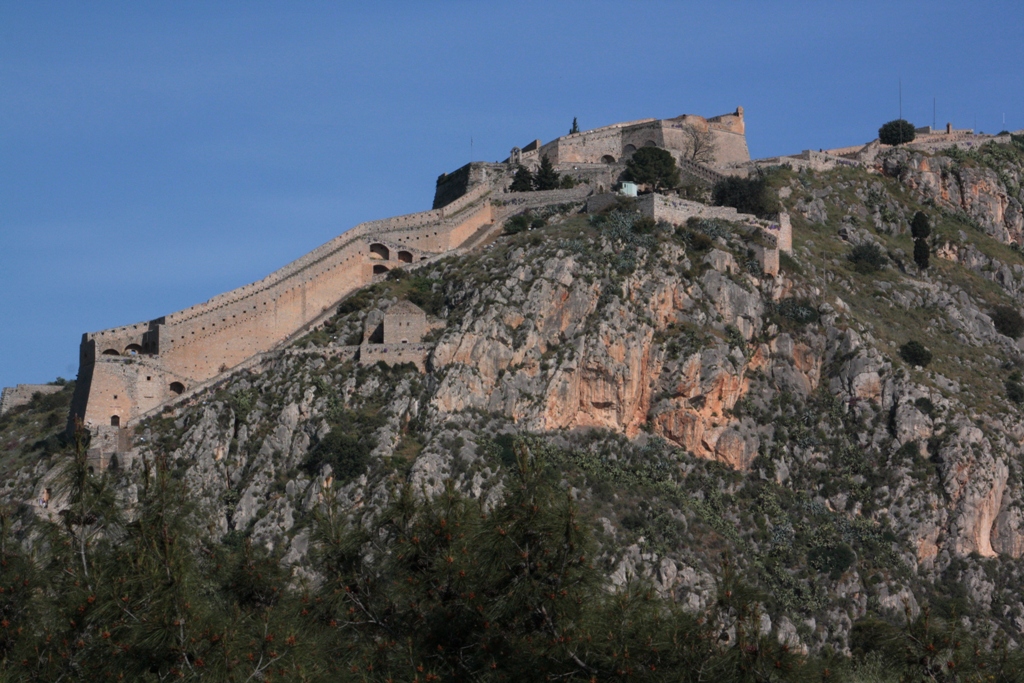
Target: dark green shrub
[
  {"x": 915, "y": 353},
  {"x": 517, "y": 224},
  {"x": 867, "y": 258},
  {"x": 798, "y": 311},
  {"x": 357, "y": 302},
  {"x": 653, "y": 166},
  {"x": 523, "y": 180},
  {"x": 644, "y": 225},
  {"x": 896, "y": 132},
  {"x": 1014, "y": 391},
  {"x": 697, "y": 241},
  {"x": 833, "y": 560},
  {"x": 345, "y": 453},
  {"x": 546, "y": 177},
  {"x": 423, "y": 294},
  {"x": 708, "y": 226},
  {"x": 1008, "y": 321},
  {"x": 747, "y": 195},
  {"x": 346, "y": 448},
  {"x": 925, "y": 406}
]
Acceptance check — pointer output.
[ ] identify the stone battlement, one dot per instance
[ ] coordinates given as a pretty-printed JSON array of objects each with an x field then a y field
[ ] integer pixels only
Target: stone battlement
[{"x": 128, "y": 371}]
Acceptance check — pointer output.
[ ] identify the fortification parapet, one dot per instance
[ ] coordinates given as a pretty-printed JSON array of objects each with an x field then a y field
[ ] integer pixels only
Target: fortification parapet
[
  {"x": 21, "y": 394},
  {"x": 171, "y": 355},
  {"x": 515, "y": 202}
]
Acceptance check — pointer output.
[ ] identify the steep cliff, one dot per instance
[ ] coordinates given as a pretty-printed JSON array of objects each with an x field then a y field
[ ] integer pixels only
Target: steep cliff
[{"x": 699, "y": 409}]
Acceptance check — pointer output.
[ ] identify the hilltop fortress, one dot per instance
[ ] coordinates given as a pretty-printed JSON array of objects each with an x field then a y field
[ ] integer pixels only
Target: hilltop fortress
[{"x": 127, "y": 373}]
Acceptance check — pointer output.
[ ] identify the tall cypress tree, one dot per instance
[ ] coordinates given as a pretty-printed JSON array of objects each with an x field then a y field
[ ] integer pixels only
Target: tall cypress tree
[
  {"x": 920, "y": 226},
  {"x": 920, "y": 229},
  {"x": 921, "y": 255}
]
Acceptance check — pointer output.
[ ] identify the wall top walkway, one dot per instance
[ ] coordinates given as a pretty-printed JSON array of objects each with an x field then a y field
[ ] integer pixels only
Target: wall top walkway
[{"x": 445, "y": 217}]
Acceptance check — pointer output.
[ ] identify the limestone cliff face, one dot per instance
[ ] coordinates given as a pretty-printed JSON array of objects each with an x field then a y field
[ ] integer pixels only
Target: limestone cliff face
[
  {"x": 982, "y": 193},
  {"x": 550, "y": 354},
  {"x": 551, "y": 348}
]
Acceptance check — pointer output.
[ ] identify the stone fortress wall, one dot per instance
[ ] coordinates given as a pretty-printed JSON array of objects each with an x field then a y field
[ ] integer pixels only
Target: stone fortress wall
[
  {"x": 134, "y": 370},
  {"x": 616, "y": 143},
  {"x": 19, "y": 395},
  {"x": 675, "y": 210},
  {"x": 128, "y": 371},
  {"x": 929, "y": 140}
]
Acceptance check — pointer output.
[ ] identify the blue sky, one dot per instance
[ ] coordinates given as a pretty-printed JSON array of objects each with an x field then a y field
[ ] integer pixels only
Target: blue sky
[{"x": 153, "y": 155}]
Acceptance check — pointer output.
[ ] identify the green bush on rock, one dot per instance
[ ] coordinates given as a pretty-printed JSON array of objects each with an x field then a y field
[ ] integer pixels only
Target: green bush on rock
[
  {"x": 915, "y": 353},
  {"x": 1008, "y": 321}
]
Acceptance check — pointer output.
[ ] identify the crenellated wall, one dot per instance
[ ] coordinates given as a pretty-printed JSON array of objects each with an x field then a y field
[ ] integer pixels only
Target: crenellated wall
[{"x": 127, "y": 371}]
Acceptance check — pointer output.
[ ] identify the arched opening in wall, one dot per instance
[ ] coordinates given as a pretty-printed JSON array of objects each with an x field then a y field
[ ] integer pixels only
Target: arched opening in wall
[
  {"x": 607, "y": 159},
  {"x": 380, "y": 251},
  {"x": 650, "y": 143},
  {"x": 628, "y": 150},
  {"x": 423, "y": 258},
  {"x": 111, "y": 352},
  {"x": 379, "y": 269},
  {"x": 132, "y": 349},
  {"x": 405, "y": 256},
  {"x": 115, "y": 420},
  {"x": 177, "y": 388}
]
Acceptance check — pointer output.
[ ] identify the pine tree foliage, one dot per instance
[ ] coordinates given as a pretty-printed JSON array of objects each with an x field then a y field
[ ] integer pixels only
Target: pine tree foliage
[
  {"x": 896, "y": 132},
  {"x": 423, "y": 589},
  {"x": 523, "y": 180},
  {"x": 653, "y": 166},
  {"x": 547, "y": 177}
]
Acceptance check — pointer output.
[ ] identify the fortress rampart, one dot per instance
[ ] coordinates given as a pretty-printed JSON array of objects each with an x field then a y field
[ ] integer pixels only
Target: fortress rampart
[
  {"x": 128, "y": 371},
  {"x": 19, "y": 395},
  {"x": 132, "y": 371}
]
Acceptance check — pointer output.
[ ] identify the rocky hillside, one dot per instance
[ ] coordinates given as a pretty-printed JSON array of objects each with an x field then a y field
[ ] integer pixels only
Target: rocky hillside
[{"x": 701, "y": 414}]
